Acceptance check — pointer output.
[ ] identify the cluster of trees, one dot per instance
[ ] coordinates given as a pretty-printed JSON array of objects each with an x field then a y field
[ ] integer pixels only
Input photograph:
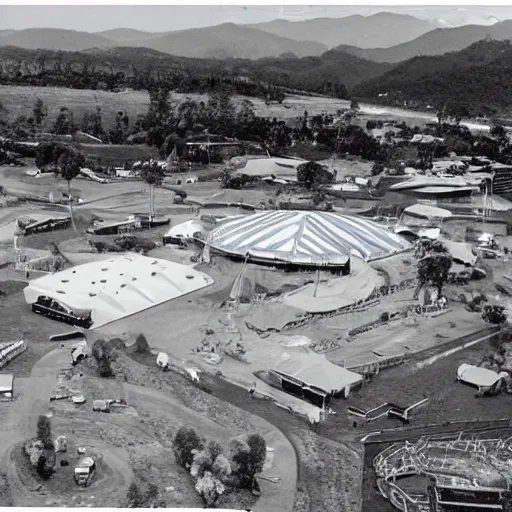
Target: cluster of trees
[
  {"x": 141, "y": 68},
  {"x": 40, "y": 449},
  {"x": 311, "y": 175},
  {"x": 213, "y": 470}
]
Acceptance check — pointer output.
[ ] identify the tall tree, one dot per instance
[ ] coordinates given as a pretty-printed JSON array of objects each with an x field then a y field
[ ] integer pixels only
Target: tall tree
[
  {"x": 64, "y": 124},
  {"x": 433, "y": 267},
  {"x": 92, "y": 123},
  {"x": 119, "y": 131},
  {"x": 221, "y": 112},
  {"x": 160, "y": 118},
  {"x": 153, "y": 175},
  {"x": 40, "y": 111},
  {"x": 69, "y": 164}
]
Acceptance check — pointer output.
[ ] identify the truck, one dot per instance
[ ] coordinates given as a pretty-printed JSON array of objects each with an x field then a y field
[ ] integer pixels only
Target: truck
[{"x": 84, "y": 471}]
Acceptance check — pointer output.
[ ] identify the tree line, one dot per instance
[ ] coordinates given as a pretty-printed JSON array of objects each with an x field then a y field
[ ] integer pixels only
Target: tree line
[{"x": 140, "y": 69}]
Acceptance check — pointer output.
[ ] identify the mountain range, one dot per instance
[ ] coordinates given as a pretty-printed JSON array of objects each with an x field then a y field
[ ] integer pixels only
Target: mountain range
[
  {"x": 436, "y": 42},
  {"x": 476, "y": 79},
  {"x": 379, "y": 30},
  {"x": 417, "y": 60},
  {"x": 228, "y": 40}
]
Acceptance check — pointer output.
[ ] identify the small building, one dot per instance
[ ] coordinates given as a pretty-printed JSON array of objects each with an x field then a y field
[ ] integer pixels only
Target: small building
[
  {"x": 121, "y": 172},
  {"x": 312, "y": 377},
  {"x": 6, "y": 387}
]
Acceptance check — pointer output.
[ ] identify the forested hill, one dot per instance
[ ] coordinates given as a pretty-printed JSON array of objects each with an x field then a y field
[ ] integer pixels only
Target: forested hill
[
  {"x": 435, "y": 42},
  {"x": 477, "y": 79},
  {"x": 111, "y": 68}
]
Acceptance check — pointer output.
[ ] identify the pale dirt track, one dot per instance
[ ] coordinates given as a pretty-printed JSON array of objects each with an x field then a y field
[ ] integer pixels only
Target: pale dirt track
[{"x": 18, "y": 423}]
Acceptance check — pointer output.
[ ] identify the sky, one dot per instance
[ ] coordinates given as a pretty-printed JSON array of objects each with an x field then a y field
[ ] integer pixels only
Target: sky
[{"x": 160, "y": 18}]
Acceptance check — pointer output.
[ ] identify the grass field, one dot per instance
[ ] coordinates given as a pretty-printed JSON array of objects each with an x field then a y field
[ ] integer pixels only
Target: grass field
[{"x": 19, "y": 100}]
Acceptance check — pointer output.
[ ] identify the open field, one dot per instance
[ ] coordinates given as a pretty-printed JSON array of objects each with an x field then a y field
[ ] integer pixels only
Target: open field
[{"x": 19, "y": 100}]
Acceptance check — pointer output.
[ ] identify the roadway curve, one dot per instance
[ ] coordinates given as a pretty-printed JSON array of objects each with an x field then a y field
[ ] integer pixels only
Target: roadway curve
[{"x": 18, "y": 421}]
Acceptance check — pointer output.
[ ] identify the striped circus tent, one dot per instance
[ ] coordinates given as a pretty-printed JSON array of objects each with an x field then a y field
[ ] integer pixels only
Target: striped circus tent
[{"x": 308, "y": 238}]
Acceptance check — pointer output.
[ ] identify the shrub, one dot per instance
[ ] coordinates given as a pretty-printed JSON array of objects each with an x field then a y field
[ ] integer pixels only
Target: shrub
[
  {"x": 102, "y": 355},
  {"x": 134, "y": 496},
  {"x": 211, "y": 468},
  {"x": 150, "y": 496},
  {"x": 44, "y": 470},
  {"x": 494, "y": 314},
  {"x": 184, "y": 443},
  {"x": 141, "y": 344}
]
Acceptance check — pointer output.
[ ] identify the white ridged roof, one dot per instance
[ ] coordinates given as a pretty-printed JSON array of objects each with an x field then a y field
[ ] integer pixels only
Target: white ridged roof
[{"x": 118, "y": 287}]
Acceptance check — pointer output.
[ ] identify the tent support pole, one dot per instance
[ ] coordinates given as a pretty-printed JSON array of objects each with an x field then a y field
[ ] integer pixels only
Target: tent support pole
[{"x": 317, "y": 282}]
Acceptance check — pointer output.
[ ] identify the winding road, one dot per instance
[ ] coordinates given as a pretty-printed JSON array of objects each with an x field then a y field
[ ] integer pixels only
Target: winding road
[{"x": 18, "y": 422}]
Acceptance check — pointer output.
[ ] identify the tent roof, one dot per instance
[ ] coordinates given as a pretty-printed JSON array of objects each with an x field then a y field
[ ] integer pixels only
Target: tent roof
[
  {"x": 118, "y": 287},
  {"x": 315, "y": 370},
  {"x": 280, "y": 167},
  {"x": 461, "y": 252},
  {"x": 187, "y": 229},
  {"x": 6, "y": 382},
  {"x": 425, "y": 210},
  {"x": 305, "y": 237},
  {"x": 481, "y": 377}
]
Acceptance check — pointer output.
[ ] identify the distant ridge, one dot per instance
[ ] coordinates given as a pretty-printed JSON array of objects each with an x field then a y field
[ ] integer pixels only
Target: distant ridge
[
  {"x": 436, "y": 42},
  {"x": 221, "y": 42},
  {"x": 378, "y": 30}
]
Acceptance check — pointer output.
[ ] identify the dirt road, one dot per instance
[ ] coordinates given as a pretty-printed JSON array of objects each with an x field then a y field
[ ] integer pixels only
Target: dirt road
[{"x": 278, "y": 496}]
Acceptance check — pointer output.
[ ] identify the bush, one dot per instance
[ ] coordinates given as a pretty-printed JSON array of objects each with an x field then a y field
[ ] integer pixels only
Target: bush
[
  {"x": 211, "y": 468},
  {"x": 134, "y": 496},
  {"x": 142, "y": 345},
  {"x": 184, "y": 443},
  {"x": 44, "y": 470},
  {"x": 494, "y": 314},
  {"x": 103, "y": 356}
]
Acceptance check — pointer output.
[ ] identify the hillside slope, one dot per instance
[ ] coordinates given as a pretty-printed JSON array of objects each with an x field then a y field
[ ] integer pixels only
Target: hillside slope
[
  {"x": 331, "y": 73},
  {"x": 122, "y": 35},
  {"x": 477, "y": 77},
  {"x": 54, "y": 39},
  {"x": 379, "y": 30},
  {"x": 224, "y": 41},
  {"x": 227, "y": 41},
  {"x": 436, "y": 42}
]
